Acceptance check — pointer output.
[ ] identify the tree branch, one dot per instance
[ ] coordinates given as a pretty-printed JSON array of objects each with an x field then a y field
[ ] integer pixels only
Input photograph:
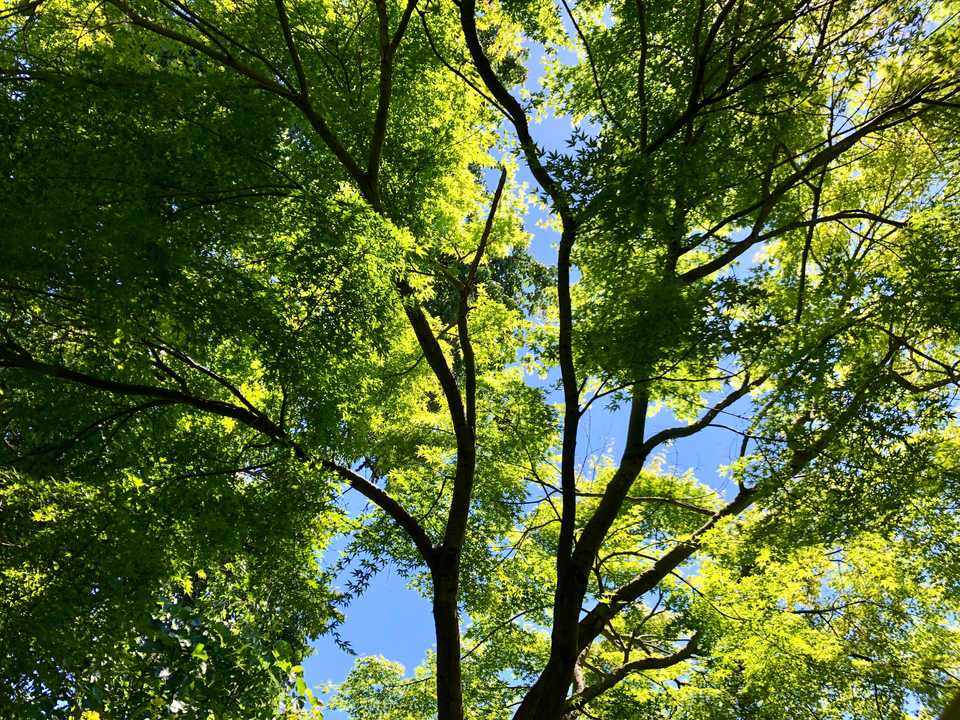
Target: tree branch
[
  {"x": 634, "y": 456},
  {"x": 18, "y": 359},
  {"x": 592, "y": 692},
  {"x": 317, "y": 121},
  {"x": 467, "y": 81},
  {"x": 292, "y": 49},
  {"x": 389, "y": 505},
  {"x": 596, "y": 78},
  {"x": 592, "y": 624},
  {"x": 657, "y": 499},
  {"x": 570, "y": 581},
  {"x": 388, "y": 46},
  {"x": 463, "y": 329},
  {"x": 515, "y": 112},
  {"x": 21, "y": 360},
  {"x": 487, "y": 229},
  {"x": 466, "y": 449},
  {"x": 892, "y": 116}
]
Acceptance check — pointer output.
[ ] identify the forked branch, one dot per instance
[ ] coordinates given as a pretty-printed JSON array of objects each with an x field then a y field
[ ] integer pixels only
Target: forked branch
[{"x": 611, "y": 680}]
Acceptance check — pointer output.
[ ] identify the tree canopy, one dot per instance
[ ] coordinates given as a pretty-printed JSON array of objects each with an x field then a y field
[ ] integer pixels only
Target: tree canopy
[{"x": 263, "y": 256}]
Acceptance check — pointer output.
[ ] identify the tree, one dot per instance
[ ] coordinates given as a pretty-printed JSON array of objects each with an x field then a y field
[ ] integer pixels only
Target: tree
[{"x": 259, "y": 254}]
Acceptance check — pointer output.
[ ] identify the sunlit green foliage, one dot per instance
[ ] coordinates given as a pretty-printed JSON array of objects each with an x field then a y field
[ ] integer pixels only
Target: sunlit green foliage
[{"x": 259, "y": 258}]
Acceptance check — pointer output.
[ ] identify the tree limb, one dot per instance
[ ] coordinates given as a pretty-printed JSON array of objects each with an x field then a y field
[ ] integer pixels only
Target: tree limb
[
  {"x": 388, "y": 504},
  {"x": 16, "y": 358},
  {"x": 592, "y": 692},
  {"x": 592, "y": 624},
  {"x": 292, "y": 49},
  {"x": 317, "y": 121},
  {"x": 892, "y": 116}
]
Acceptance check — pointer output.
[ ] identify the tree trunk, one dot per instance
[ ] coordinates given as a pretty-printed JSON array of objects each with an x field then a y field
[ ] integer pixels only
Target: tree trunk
[
  {"x": 578, "y": 684},
  {"x": 547, "y": 699},
  {"x": 446, "y": 620}
]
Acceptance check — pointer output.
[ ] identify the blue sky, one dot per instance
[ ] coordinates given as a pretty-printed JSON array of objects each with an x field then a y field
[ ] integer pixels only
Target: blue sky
[{"x": 394, "y": 621}]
